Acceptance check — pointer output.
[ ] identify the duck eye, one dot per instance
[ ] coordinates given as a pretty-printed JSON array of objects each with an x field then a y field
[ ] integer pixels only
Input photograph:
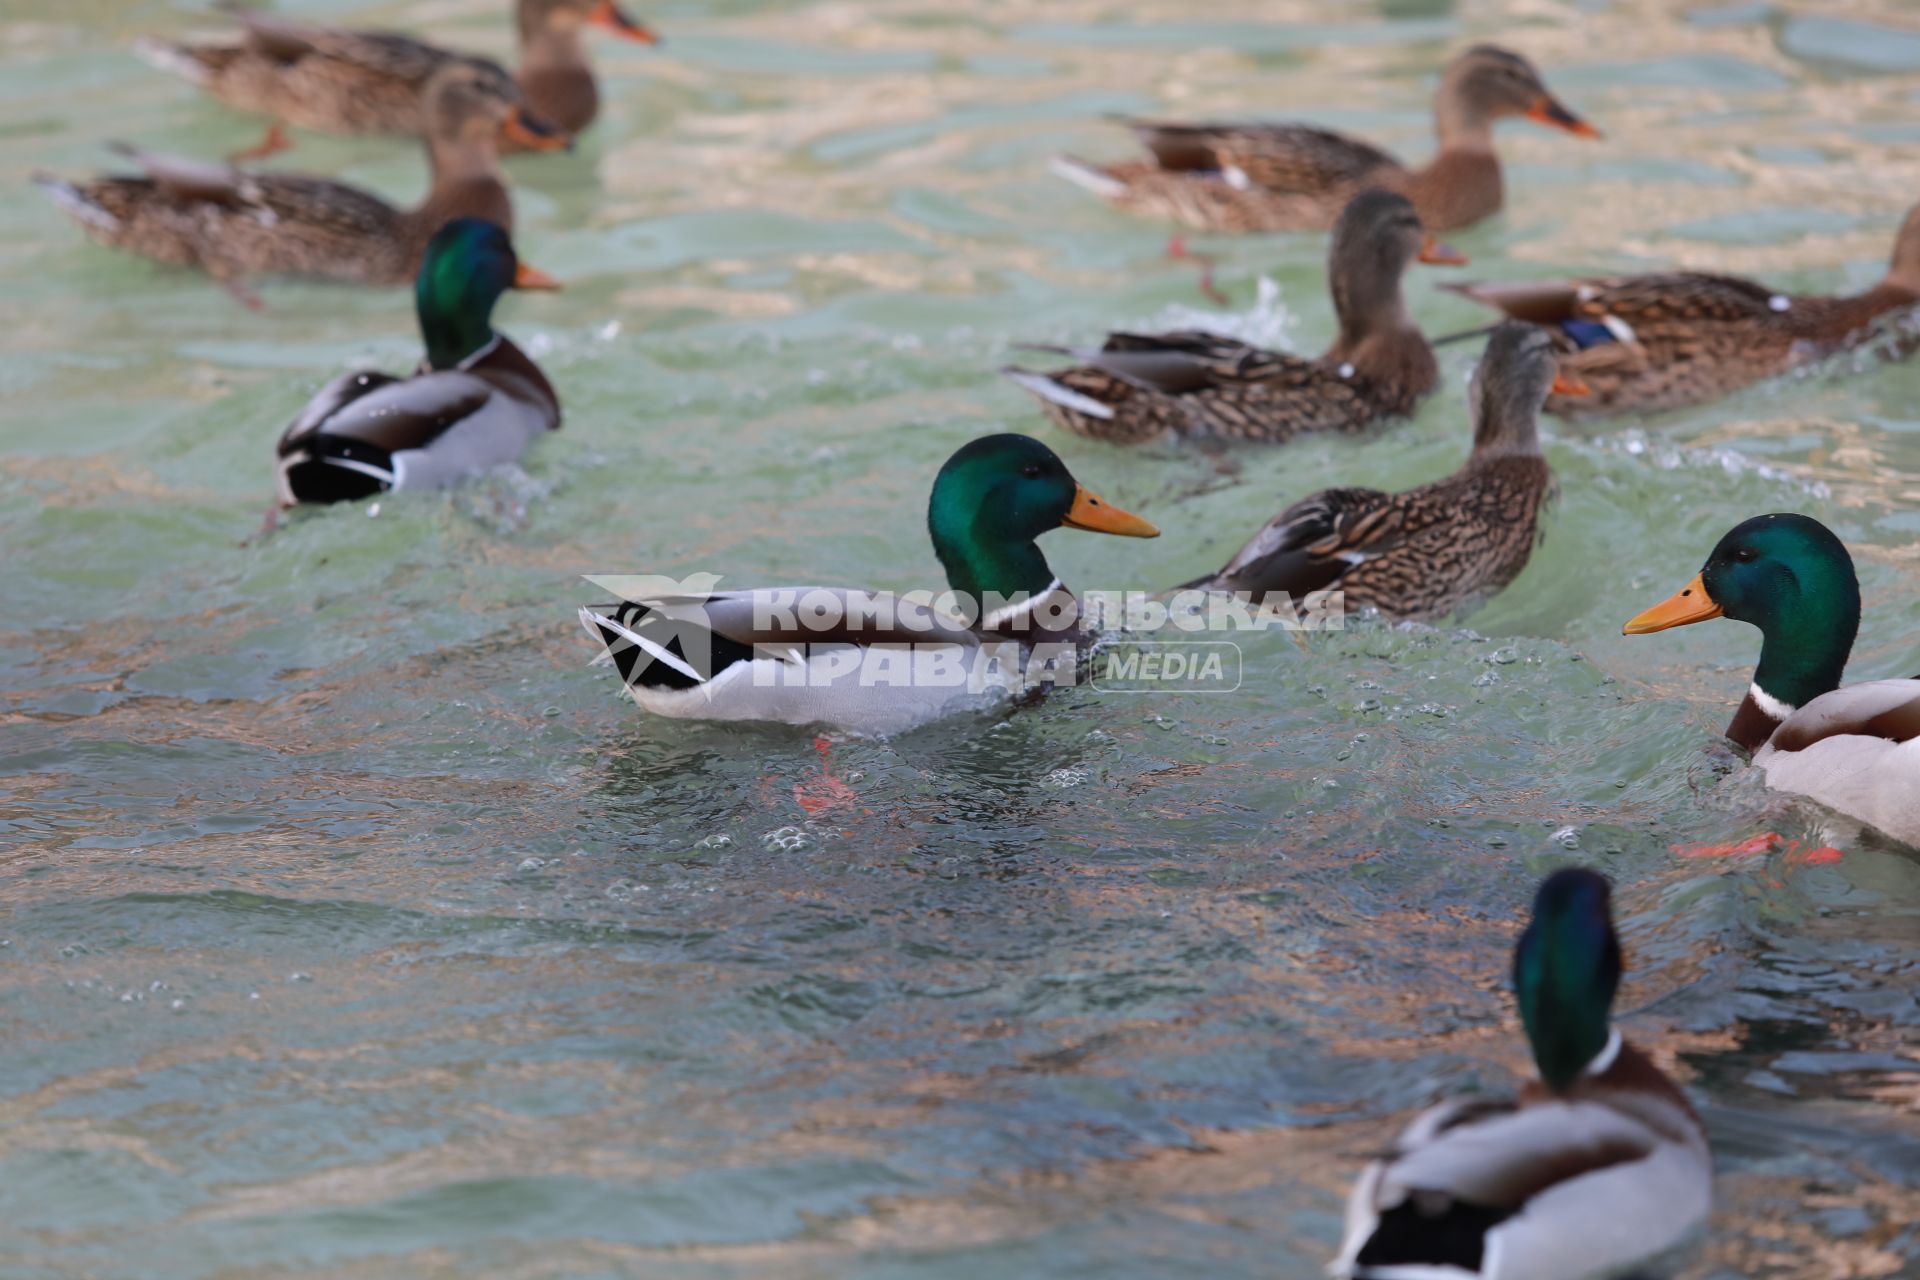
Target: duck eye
[
  {"x": 1031, "y": 471},
  {"x": 1745, "y": 555}
]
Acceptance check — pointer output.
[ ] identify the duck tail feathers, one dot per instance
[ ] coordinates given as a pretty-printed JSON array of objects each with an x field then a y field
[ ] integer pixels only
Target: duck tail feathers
[
  {"x": 1056, "y": 393},
  {"x": 1088, "y": 176},
  {"x": 76, "y": 202},
  {"x": 174, "y": 59}
]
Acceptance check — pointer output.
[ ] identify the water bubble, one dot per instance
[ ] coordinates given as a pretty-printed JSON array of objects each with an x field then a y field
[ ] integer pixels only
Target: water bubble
[
  {"x": 177, "y": 1005},
  {"x": 1497, "y": 842},
  {"x": 1505, "y": 655},
  {"x": 1567, "y": 838},
  {"x": 1367, "y": 704},
  {"x": 1064, "y": 778},
  {"x": 1486, "y": 679},
  {"x": 620, "y": 891},
  {"x": 786, "y": 839},
  {"x": 299, "y": 977},
  {"x": 532, "y": 864},
  {"x": 720, "y": 841}
]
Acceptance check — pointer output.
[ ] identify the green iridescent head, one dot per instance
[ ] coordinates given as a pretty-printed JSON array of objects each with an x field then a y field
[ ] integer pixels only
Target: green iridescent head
[
  {"x": 1792, "y": 578},
  {"x": 994, "y": 498},
  {"x": 469, "y": 263},
  {"x": 1565, "y": 971}
]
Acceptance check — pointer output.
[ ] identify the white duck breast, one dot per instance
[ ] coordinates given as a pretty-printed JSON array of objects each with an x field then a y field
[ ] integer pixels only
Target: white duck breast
[{"x": 1856, "y": 750}]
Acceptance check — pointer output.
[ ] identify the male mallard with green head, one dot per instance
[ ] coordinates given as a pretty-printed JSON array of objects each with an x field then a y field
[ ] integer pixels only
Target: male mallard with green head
[
  {"x": 1599, "y": 1164},
  {"x": 1289, "y": 177},
  {"x": 235, "y": 224},
  {"x": 868, "y": 661},
  {"x": 375, "y": 81},
  {"x": 1650, "y": 342},
  {"x": 1855, "y": 749},
  {"x": 1435, "y": 550},
  {"x": 477, "y": 401},
  {"x": 1139, "y": 386}
]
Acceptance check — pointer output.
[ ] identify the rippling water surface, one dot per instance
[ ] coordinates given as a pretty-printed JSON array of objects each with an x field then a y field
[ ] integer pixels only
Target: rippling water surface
[{"x": 353, "y": 927}]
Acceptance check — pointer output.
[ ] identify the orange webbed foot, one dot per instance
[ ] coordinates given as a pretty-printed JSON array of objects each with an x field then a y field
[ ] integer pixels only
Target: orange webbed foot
[
  {"x": 826, "y": 792},
  {"x": 272, "y": 144},
  {"x": 1177, "y": 251}
]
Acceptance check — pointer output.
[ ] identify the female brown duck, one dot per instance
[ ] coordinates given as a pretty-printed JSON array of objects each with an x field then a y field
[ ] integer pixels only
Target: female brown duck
[
  {"x": 1289, "y": 177},
  {"x": 375, "y": 81},
  {"x": 1660, "y": 341},
  {"x": 1139, "y": 386},
  {"x": 1438, "y": 549},
  {"x": 235, "y": 224}
]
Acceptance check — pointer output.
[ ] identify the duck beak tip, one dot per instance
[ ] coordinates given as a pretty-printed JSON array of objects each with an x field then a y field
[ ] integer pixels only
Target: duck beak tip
[{"x": 527, "y": 277}]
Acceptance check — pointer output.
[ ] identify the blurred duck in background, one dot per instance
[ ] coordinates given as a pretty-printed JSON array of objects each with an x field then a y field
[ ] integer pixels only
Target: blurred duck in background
[
  {"x": 477, "y": 401},
  {"x": 1661, "y": 341},
  {"x": 234, "y": 223},
  {"x": 354, "y": 82},
  {"x": 1293, "y": 177},
  {"x": 1137, "y": 387}
]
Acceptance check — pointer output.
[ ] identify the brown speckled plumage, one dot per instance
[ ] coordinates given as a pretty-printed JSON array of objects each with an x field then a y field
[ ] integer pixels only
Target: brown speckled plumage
[
  {"x": 1686, "y": 338},
  {"x": 1136, "y": 387},
  {"x": 1287, "y": 177},
  {"x": 374, "y": 81},
  {"x": 234, "y": 224},
  {"x": 1435, "y": 550}
]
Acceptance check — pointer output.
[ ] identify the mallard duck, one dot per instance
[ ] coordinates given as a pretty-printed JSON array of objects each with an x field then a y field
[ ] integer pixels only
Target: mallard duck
[
  {"x": 871, "y": 661},
  {"x": 1658, "y": 341},
  {"x": 1855, "y": 749},
  {"x": 375, "y": 81},
  {"x": 1289, "y": 177},
  {"x": 1435, "y": 550},
  {"x": 1598, "y": 1165},
  {"x": 476, "y": 401},
  {"x": 1139, "y": 386},
  {"x": 233, "y": 223}
]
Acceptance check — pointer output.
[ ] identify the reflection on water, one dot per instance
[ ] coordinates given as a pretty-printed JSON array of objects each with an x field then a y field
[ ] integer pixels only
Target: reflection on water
[{"x": 354, "y": 927}]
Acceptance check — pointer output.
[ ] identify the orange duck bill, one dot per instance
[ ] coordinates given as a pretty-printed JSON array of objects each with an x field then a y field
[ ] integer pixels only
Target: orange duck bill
[
  {"x": 1095, "y": 514},
  {"x": 1440, "y": 255},
  {"x": 527, "y": 130},
  {"x": 609, "y": 15},
  {"x": 1547, "y": 110},
  {"x": 526, "y": 277},
  {"x": 1688, "y": 605},
  {"x": 1565, "y": 384}
]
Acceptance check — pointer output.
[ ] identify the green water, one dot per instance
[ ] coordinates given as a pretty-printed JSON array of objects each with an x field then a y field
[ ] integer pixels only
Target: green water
[{"x": 354, "y": 927}]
